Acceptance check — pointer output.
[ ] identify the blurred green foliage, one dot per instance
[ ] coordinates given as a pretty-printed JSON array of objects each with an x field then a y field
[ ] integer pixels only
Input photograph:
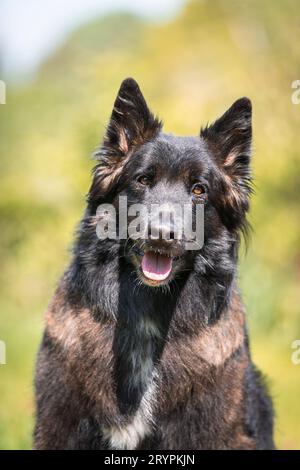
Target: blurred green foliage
[{"x": 190, "y": 70}]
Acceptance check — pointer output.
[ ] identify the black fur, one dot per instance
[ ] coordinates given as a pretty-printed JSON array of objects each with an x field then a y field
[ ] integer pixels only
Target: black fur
[{"x": 110, "y": 334}]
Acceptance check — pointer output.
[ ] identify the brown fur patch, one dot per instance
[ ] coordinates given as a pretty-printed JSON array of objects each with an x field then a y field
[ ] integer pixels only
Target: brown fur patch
[
  {"x": 231, "y": 158},
  {"x": 195, "y": 358},
  {"x": 85, "y": 347},
  {"x": 123, "y": 144},
  {"x": 199, "y": 365},
  {"x": 218, "y": 342}
]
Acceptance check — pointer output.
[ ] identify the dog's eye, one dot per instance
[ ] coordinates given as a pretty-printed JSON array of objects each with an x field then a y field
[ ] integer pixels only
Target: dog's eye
[
  {"x": 198, "y": 190},
  {"x": 144, "y": 180}
]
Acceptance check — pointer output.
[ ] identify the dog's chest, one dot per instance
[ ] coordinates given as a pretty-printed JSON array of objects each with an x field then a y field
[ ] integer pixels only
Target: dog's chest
[{"x": 136, "y": 379}]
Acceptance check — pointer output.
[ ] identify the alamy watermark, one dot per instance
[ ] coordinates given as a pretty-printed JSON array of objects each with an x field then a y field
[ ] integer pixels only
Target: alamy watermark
[
  {"x": 2, "y": 92},
  {"x": 296, "y": 94},
  {"x": 2, "y": 352},
  {"x": 295, "y": 357},
  {"x": 168, "y": 221}
]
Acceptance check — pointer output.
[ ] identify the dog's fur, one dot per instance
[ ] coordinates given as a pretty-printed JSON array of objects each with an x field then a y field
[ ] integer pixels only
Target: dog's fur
[{"x": 126, "y": 364}]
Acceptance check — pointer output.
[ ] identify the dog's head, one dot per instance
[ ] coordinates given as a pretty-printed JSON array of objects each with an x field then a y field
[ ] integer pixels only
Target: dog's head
[{"x": 139, "y": 161}]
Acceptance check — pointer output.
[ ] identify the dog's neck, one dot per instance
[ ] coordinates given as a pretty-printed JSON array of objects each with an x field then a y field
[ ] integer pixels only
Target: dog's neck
[{"x": 145, "y": 318}]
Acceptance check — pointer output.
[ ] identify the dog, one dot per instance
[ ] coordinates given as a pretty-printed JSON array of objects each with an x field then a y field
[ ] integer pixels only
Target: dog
[{"x": 145, "y": 343}]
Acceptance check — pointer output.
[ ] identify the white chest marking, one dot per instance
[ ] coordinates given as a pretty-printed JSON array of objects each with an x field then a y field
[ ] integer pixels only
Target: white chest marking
[
  {"x": 130, "y": 435},
  {"x": 139, "y": 426}
]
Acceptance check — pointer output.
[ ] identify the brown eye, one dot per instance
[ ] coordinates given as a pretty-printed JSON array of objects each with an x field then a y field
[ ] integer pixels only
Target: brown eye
[
  {"x": 144, "y": 180},
  {"x": 198, "y": 190}
]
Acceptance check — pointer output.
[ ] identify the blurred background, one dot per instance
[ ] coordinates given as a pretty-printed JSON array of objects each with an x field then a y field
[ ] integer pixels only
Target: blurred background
[{"x": 63, "y": 62}]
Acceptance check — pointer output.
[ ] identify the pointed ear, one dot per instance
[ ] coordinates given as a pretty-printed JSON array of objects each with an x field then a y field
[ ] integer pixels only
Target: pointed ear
[
  {"x": 229, "y": 137},
  {"x": 131, "y": 122},
  {"x": 229, "y": 142}
]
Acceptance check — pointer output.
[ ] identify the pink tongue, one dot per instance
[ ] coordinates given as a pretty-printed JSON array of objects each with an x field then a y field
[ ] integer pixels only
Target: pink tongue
[{"x": 155, "y": 266}]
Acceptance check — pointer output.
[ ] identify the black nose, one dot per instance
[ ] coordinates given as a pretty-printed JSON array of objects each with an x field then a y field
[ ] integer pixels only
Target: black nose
[
  {"x": 172, "y": 234},
  {"x": 161, "y": 230}
]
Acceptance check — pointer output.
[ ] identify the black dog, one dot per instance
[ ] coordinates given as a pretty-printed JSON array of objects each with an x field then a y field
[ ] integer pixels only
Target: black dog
[{"x": 145, "y": 345}]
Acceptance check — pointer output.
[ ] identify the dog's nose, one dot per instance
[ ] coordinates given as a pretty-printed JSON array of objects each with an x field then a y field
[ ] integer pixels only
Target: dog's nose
[
  {"x": 162, "y": 230},
  {"x": 172, "y": 234}
]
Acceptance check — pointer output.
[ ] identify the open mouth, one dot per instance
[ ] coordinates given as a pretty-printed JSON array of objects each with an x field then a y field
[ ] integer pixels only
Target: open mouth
[{"x": 156, "y": 266}]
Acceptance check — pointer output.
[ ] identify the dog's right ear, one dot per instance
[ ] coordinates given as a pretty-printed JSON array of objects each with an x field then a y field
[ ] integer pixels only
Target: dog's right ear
[{"x": 131, "y": 124}]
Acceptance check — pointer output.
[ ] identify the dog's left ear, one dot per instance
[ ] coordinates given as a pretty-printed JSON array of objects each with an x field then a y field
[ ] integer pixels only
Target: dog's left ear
[
  {"x": 229, "y": 137},
  {"x": 229, "y": 141}
]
